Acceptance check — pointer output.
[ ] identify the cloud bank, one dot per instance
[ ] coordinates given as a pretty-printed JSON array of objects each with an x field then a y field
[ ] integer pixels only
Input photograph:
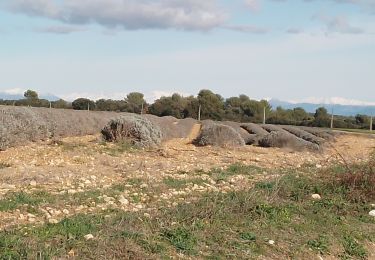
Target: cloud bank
[{"x": 128, "y": 14}]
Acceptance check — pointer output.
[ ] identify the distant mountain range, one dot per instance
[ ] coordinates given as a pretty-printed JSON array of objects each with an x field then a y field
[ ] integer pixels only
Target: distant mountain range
[
  {"x": 6, "y": 96},
  {"x": 342, "y": 110}
]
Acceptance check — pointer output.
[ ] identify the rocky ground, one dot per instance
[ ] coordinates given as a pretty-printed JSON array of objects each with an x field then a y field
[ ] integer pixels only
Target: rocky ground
[{"x": 45, "y": 182}]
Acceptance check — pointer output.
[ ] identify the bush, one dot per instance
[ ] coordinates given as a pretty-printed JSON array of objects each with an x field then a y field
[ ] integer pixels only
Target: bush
[
  {"x": 216, "y": 134},
  {"x": 133, "y": 128}
]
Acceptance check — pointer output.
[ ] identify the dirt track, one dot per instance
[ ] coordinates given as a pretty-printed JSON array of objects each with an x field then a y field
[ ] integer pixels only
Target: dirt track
[{"x": 81, "y": 164}]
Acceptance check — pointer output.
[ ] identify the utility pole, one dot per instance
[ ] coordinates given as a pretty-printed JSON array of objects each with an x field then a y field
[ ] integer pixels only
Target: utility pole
[
  {"x": 199, "y": 112},
  {"x": 332, "y": 119},
  {"x": 264, "y": 115}
]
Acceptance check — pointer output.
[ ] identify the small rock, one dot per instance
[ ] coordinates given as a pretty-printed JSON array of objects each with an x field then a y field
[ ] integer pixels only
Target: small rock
[
  {"x": 123, "y": 200},
  {"x": 372, "y": 213},
  {"x": 29, "y": 215},
  {"x": 271, "y": 242},
  {"x": 373, "y": 205},
  {"x": 53, "y": 221},
  {"x": 33, "y": 183},
  {"x": 319, "y": 166},
  {"x": 65, "y": 211},
  {"x": 89, "y": 237},
  {"x": 316, "y": 197},
  {"x": 72, "y": 191}
]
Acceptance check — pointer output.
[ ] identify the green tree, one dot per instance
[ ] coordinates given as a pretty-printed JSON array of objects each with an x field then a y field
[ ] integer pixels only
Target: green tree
[
  {"x": 83, "y": 104},
  {"x": 362, "y": 120},
  {"x": 31, "y": 94},
  {"x": 212, "y": 105},
  {"x": 175, "y": 106},
  {"x": 61, "y": 104},
  {"x": 321, "y": 117},
  {"x": 135, "y": 101}
]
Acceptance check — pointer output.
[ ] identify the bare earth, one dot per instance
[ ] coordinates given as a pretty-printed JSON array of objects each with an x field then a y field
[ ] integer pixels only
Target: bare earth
[{"x": 82, "y": 164}]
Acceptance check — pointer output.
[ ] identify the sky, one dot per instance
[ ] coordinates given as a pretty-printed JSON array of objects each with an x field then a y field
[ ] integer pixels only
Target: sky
[{"x": 294, "y": 50}]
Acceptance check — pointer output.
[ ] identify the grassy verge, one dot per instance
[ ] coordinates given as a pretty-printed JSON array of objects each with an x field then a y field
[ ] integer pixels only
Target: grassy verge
[
  {"x": 360, "y": 131},
  {"x": 234, "y": 225}
]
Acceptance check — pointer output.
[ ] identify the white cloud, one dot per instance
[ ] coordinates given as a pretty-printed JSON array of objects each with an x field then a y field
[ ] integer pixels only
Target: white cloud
[
  {"x": 128, "y": 14},
  {"x": 14, "y": 91},
  {"x": 93, "y": 95},
  {"x": 253, "y": 5},
  {"x": 340, "y": 24},
  {"x": 162, "y": 93}
]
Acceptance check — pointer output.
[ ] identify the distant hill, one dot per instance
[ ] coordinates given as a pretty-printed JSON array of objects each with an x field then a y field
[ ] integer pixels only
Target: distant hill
[
  {"x": 6, "y": 96},
  {"x": 342, "y": 110}
]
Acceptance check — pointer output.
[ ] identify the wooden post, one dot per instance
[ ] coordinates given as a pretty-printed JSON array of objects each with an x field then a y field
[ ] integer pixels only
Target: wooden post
[
  {"x": 370, "y": 123},
  {"x": 199, "y": 112},
  {"x": 50, "y": 105},
  {"x": 332, "y": 119},
  {"x": 142, "y": 109},
  {"x": 88, "y": 106},
  {"x": 264, "y": 115}
]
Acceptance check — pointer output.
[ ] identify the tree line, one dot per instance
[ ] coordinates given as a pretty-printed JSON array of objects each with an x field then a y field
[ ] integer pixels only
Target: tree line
[{"x": 209, "y": 104}]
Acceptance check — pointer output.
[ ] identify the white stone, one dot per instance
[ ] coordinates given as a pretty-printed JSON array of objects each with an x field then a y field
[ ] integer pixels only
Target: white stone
[
  {"x": 271, "y": 242},
  {"x": 123, "y": 200},
  {"x": 66, "y": 212},
  {"x": 316, "y": 197},
  {"x": 89, "y": 237},
  {"x": 33, "y": 183},
  {"x": 53, "y": 221},
  {"x": 372, "y": 213}
]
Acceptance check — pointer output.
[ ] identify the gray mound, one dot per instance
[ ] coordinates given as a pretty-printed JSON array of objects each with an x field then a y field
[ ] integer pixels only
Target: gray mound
[
  {"x": 278, "y": 137},
  {"x": 282, "y": 140},
  {"x": 20, "y": 125},
  {"x": 245, "y": 135},
  {"x": 133, "y": 128},
  {"x": 304, "y": 135},
  {"x": 217, "y": 134},
  {"x": 173, "y": 127},
  {"x": 326, "y": 134}
]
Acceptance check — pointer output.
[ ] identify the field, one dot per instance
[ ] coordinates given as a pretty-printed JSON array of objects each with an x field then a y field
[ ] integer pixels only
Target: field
[{"x": 82, "y": 198}]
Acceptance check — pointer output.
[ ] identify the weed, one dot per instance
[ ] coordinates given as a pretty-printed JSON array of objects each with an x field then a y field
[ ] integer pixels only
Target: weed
[
  {"x": 248, "y": 236},
  {"x": 181, "y": 238},
  {"x": 353, "y": 248},
  {"x": 320, "y": 244},
  {"x": 15, "y": 200},
  {"x": 182, "y": 183}
]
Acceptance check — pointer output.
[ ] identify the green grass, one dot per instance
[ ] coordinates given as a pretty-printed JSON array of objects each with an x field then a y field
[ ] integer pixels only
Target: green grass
[
  {"x": 235, "y": 169},
  {"x": 13, "y": 201},
  {"x": 118, "y": 148},
  {"x": 182, "y": 183},
  {"x": 235, "y": 225}
]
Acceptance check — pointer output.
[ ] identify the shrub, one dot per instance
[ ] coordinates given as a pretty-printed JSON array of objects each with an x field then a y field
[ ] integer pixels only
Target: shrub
[
  {"x": 134, "y": 128},
  {"x": 219, "y": 135}
]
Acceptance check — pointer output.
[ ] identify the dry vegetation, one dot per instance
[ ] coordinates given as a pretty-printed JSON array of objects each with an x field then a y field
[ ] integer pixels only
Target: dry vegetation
[{"x": 83, "y": 198}]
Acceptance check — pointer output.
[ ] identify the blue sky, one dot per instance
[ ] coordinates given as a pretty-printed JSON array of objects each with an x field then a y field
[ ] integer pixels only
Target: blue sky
[{"x": 301, "y": 50}]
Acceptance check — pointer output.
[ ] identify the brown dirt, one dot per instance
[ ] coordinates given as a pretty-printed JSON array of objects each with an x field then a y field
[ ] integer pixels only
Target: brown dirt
[{"x": 83, "y": 163}]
